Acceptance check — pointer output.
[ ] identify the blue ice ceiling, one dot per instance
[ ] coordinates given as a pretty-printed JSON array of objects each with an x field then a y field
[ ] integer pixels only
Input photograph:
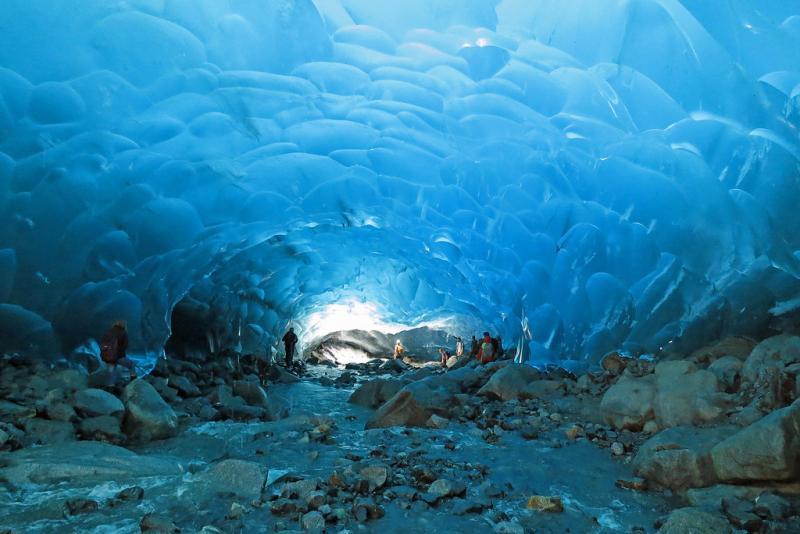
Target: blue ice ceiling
[{"x": 578, "y": 175}]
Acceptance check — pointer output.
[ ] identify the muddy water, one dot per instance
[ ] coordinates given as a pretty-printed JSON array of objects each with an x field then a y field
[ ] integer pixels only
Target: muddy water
[{"x": 582, "y": 474}]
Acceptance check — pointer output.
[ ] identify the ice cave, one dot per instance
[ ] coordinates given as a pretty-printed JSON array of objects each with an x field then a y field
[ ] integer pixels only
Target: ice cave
[{"x": 609, "y": 189}]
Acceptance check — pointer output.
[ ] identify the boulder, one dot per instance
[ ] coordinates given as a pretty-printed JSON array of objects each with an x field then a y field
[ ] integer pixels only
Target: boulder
[
  {"x": 94, "y": 402},
  {"x": 679, "y": 457},
  {"x": 147, "y": 416},
  {"x": 686, "y": 396},
  {"x": 766, "y": 450},
  {"x": 728, "y": 370},
  {"x": 614, "y": 363},
  {"x": 60, "y": 411},
  {"x": 102, "y": 428},
  {"x": 252, "y": 393},
  {"x": 242, "y": 478},
  {"x": 68, "y": 380},
  {"x": 11, "y": 412},
  {"x": 776, "y": 352},
  {"x": 540, "y": 389},
  {"x": 510, "y": 382},
  {"x": 185, "y": 387},
  {"x": 738, "y": 347},
  {"x": 694, "y": 521},
  {"x": 374, "y": 393},
  {"x": 47, "y": 432},
  {"x": 629, "y": 403},
  {"x": 81, "y": 463}
]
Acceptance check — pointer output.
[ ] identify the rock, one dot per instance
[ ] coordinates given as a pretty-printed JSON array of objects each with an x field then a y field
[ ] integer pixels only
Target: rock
[
  {"x": 541, "y": 503},
  {"x": 11, "y": 412},
  {"x": 738, "y": 347},
  {"x": 437, "y": 422},
  {"x": 373, "y": 393},
  {"x": 635, "y": 484},
  {"x": 628, "y": 404},
  {"x": 713, "y": 497},
  {"x": 686, "y": 396},
  {"x": 251, "y": 392},
  {"x": 316, "y": 500},
  {"x": 510, "y": 382},
  {"x": 444, "y": 488},
  {"x": 242, "y": 478},
  {"x": 776, "y": 352},
  {"x": 679, "y": 457},
  {"x": 508, "y": 527},
  {"x": 184, "y": 386},
  {"x": 694, "y": 521},
  {"x": 102, "y": 428},
  {"x": 11, "y": 437},
  {"x": 617, "y": 448},
  {"x": 739, "y": 513},
  {"x": 771, "y": 506},
  {"x": 375, "y": 475},
  {"x": 412, "y": 406},
  {"x": 81, "y": 463},
  {"x": 765, "y": 450},
  {"x": 300, "y": 489},
  {"x": 158, "y": 524},
  {"x": 46, "y": 432},
  {"x": 728, "y": 370},
  {"x": 236, "y": 511},
  {"x": 365, "y": 509},
  {"x": 79, "y": 506},
  {"x": 614, "y": 363},
  {"x": 68, "y": 380},
  {"x": 313, "y": 521},
  {"x": 60, "y": 411},
  {"x": 132, "y": 494},
  {"x": 94, "y": 402},
  {"x": 147, "y": 416}
]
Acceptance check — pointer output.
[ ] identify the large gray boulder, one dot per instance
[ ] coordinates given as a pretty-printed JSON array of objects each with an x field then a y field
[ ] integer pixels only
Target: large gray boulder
[
  {"x": 686, "y": 396},
  {"x": 510, "y": 382},
  {"x": 694, "y": 521},
  {"x": 769, "y": 449},
  {"x": 374, "y": 393},
  {"x": 776, "y": 352},
  {"x": 47, "y": 432},
  {"x": 629, "y": 402},
  {"x": 147, "y": 416},
  {"x": 251, "y": 392},
  {"x": 680, "y": 457},
  {"x": 242, "y": 478},
  {"x": 95, "y": 402}
]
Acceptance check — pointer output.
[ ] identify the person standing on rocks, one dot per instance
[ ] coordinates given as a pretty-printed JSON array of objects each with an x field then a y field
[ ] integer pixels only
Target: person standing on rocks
[
  {"x": 487, "y": 352},
  {"x": 289, "y": 342},
  {"x": 113, "y": 351},
  {"x": 459, "y": 347},
  {"x": 399, "y": 349},
  {"x": 443, "y": 356}
]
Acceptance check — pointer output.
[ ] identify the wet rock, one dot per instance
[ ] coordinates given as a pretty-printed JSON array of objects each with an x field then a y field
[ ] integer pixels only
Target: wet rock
[
  {"x": 158, "y": 524},
  {"x": 79, "y": 506},
  {"x": 437, "y": 422},
  {"x": 46, "y": 432},
  {"x": 617, "y": 448},
  {"x": 283, "y": 506},
  {"x": 635, "y": 484},
  {"x": 11, "y": 412},
  {"x": 375, "y": 475},
  {"x": 686, "y": 396},
  {"x": 542, "y": 503},
  {"x": 739, "y": 513},
  {"x": 695, "y": 521},
  {"x": 412, "y": 406},
  {"x": 300, "y": 489},
  {"x": 147, "y": 416},
  {"x": 94, "y": 402},
  {"x": 444, "y": 488},
  {"x": 776, "y": 352},
  {"x": 251, "y": 392},
  {"x": 766, "y": 450},
  {"x": 102, "y": 428},
  {"x": 313, "y": 521},
  {"x": 184, "y": 386},
  {"x": 713, "y": 497},
  {"x": 60, "y": 411},
  {"x": 629, "y": 403},
  {"x": 510, "y": 382},
  {"x": 242, "y": 478},
  {"x": 771, "y": 506},
  {"x": 465, "y": 507},
  {"x": 373, "y": 393},
  {"x": 316, "y": 500},
  {"x": 680, "y": 457},
  {"x": 68, "y": 380},
  {"x": 132, "y": 494},
  {"x": 509, "y": 527},
  {"x": 11, "y": 438},
  {"x": 81, "y": 462},
  {"x": 236, "y": 511},
  {"x": 366, "y": 510}
]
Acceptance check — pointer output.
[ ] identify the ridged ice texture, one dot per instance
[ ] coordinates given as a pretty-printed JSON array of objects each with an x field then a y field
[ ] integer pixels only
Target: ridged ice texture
[{"x": 577, "y": 175}]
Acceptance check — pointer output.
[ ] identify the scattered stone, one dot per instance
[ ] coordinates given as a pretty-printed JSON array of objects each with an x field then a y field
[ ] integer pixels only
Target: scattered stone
[
  {"x": 444, "y": 488},
  {"x": 313, "y": 521},
  {"x": 629, "y": 403},
  {"x": 300, "y": 489},
  {"x": 47, "y": 432},
  {"x": 375, "y": 475},
  {"x": 102, "y": 428},
  {"x": 79, "y": 506},
  {"x": 771, "y": 506},
  {"x": 236, "y": 511},
  {"x": 617, "y": 448},
  {"x": 508, "y": 527},
  {"x": 60, "y": 411},
  {"x": 95, "y": 402},
  {"x": 614, "y": 363},
  {"x": 158, "y": 524},
  {"x": 728, "y": 371},
  {"x": 364, "y": 510},
  {"x": 184, "y": 386},
  {"x": 437, "y": 422},
  {"x": 134, "y": 493},
  {"x": 510, "y": 382},
  {"x": 240, "y": 477},
  {"x": 635, "y": 484},
  {"x": 541, "y": 503},
  {"x": 147, "y": 416},
  {"x": 251, "y": 392},
  {"x": 694, "y": 521}
]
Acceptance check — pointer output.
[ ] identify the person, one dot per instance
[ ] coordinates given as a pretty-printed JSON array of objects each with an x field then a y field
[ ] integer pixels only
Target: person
[
  {"x": 289, "y": 342},
  {"x": 113, "y": 351},
  {"x": 459, "y": 347},
  {"x": 486, "y": 353},
  {"x": 498, "y": 346},
  {"x": 399, "y": 349},
  {"x": 444, "y": 355},
  {"x": 474, "y": 348}
]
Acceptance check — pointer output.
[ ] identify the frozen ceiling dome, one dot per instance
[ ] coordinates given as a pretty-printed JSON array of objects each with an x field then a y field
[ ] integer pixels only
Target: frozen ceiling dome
[{"x": 577, "y": 176}]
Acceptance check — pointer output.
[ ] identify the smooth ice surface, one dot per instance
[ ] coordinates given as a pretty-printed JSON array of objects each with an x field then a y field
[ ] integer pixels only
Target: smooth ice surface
[{"x": 578, "y": 176}]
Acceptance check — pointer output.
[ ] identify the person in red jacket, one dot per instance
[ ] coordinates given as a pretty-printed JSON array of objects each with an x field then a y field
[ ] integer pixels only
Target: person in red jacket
[
  {"x": 486, "y": 353},
  {"x": 113, "y": 351}
]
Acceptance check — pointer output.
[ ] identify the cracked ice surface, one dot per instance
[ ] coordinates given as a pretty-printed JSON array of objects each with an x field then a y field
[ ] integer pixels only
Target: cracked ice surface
[{"x": 578, "y": 176}]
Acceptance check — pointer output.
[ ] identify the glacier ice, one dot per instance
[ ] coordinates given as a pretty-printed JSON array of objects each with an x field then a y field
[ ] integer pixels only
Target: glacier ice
[{"x": 577, "y": 177}]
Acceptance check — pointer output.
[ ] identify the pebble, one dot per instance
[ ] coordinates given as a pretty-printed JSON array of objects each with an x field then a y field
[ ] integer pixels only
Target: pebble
[{"x": 617, "y": 448}]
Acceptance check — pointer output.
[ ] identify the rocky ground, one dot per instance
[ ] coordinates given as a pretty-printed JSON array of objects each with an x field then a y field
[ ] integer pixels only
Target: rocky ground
[{"x": 707, "y": 443}]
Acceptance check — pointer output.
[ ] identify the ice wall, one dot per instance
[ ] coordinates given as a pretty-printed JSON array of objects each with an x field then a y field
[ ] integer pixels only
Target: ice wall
[{"x": 577, "y": 175}]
